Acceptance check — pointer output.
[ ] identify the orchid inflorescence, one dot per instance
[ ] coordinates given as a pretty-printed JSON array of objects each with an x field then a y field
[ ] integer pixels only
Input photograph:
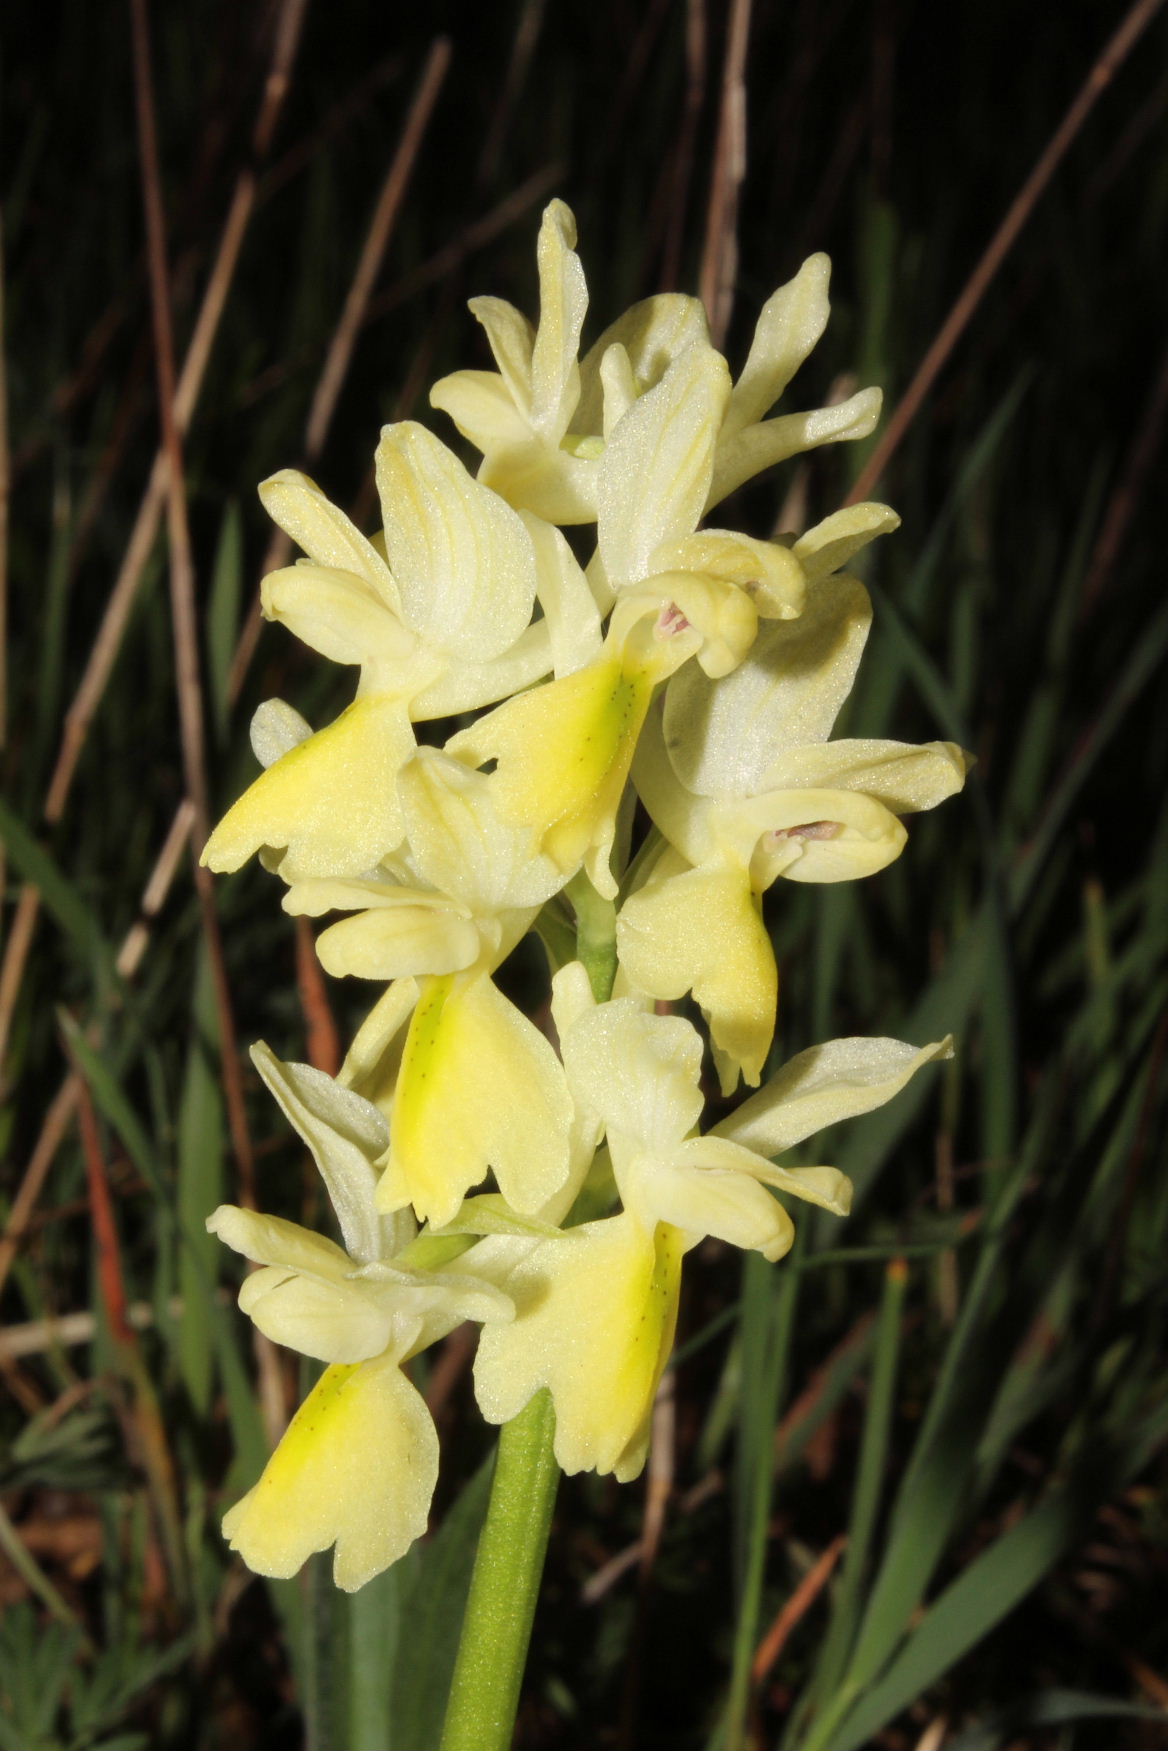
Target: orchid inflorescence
[{"x": 691, "y": 667}]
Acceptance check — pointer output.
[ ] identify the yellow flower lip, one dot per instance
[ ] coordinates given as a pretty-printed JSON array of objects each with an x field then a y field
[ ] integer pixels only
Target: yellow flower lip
[{"x": 479, "y": 1089}]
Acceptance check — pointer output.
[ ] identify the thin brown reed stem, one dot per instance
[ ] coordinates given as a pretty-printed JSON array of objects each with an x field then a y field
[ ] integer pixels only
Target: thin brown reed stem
[
  {"x": 1127, "y": 491},
  {"x": 1102, "y": 72},
  {"x": 340, "y": 352},
  {"x": 677, "y": 171},
  {"x": 182, "y": 586},
  {"x": 108, "y": 641},
  {"x": 720, "y": 254}
]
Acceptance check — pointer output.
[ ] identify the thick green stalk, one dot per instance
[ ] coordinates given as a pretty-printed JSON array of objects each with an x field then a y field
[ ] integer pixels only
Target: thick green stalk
[
  {"x": 488, "y": 1673},
  {"x": 484, "y": 1694}
]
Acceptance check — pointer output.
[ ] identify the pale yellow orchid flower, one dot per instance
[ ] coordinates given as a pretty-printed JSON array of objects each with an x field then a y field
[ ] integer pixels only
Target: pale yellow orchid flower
[
  {"x": 653, "y": 483},
  {"x": 563, "y": 751},
  {"x": 596, "y": 1307},
  {"x": 357, "y": 1465},
  {"x": 469, "y": 1082},
  {"x": 789, "y": 325},
  {"x": 541, "y": 419},
  {"x": 745, "y": 786},
  {"x": 438, "y": 616}
]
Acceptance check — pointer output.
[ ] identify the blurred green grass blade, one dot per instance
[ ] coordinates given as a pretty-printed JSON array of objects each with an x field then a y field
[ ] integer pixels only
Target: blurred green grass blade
[
  {"x": 945, "y": 1007},
  {"x": 929, "y": 1500},
  {"x": 879, "y": 681},
  {"x": 114, "y": 1105},
  {"x": 374, "y": 1627},
  {"x": 768, "y": 1323},
  {"x": 1136, "y": 672},
  {"x": 433, "y": 1608},
  {"x": 201, "y": 1153},
  {"x": 839, "y": 1374},
  {"x": 866, "y": 1495},
  {"x": 1050, "y": 1708},
  {"x": 1035, "y": 747},
  {"x": 54, "y": 623},
  {"x": 60, "y": 897},
  {"x": 985, "y": 1592}
]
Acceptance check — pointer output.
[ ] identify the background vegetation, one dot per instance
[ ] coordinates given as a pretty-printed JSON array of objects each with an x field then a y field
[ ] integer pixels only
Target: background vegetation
[{"x": 957, "y": 1536}]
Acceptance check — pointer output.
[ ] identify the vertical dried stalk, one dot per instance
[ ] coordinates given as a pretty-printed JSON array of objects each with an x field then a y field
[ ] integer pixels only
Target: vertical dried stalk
[
  {"x": 340, "y": 353},
  {"x": 1003, "y": 240},
  {"x": 720, "y": 256},
  {"x": 105, "y": 647}
]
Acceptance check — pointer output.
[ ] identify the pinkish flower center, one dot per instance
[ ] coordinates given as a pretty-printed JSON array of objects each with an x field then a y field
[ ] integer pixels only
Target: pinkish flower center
[
  {"x": 810, "y": 830},
  {"x": 671, "y": 621}
]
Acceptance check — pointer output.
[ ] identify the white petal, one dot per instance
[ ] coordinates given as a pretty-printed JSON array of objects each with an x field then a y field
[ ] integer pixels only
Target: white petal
[
  {"x": 746, "y": 453},
  {"x": 568, "y": 604},
  {"x": 729, "y": 1205},
  {"x": 905, "y": 776},
  {"x": 325, "y": 533},
  {"x": 272, "y": 1240},
  {"x": 656, "y": 468},
  {"x": 563, "y": 301},
  {"x": 335, "y": 1322},
  {"x": 835, "y": 1081},
  {"x": 461, "y": 557},
  {"x": 830, "y": 544},
  {"x": 511, "y": 337},
  {"x": 462, "y": 847},
  {"x": 345, "y": 1134},
  {"x": 639, "y": 1072},
  {"x": 789, "y": 325},
  {"x": 338, "y": 614},
  {"x": 724, "y": 738},
  {"x": 467, "y": 686},
  {"x": 651, "y": 334},
  {"x": 277, "y": 728},
  {"x": 825, "y": 1186}
]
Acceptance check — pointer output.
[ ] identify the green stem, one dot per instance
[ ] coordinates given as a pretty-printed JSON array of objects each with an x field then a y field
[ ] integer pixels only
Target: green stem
[{"x": 484, "y": 1694}]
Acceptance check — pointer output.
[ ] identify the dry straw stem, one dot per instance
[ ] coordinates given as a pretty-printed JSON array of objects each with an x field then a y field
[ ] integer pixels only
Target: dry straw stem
[
  {"x": 107, "y": 643},
  {"x": 1127, "y": 492},
  {"x": 5, "y": 484},
  {"x": 531, "y": 17},
  {"x": 720, "y": 255},
  {"x": 340, "y": 352},
  {"x": 1114, "y": 54},
  {"x": 67, "y": 1330},
  {"x": 182, "y": 590},
  {"x": 677, "y": 171},
  {"x": 796, "y": 1608}
]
